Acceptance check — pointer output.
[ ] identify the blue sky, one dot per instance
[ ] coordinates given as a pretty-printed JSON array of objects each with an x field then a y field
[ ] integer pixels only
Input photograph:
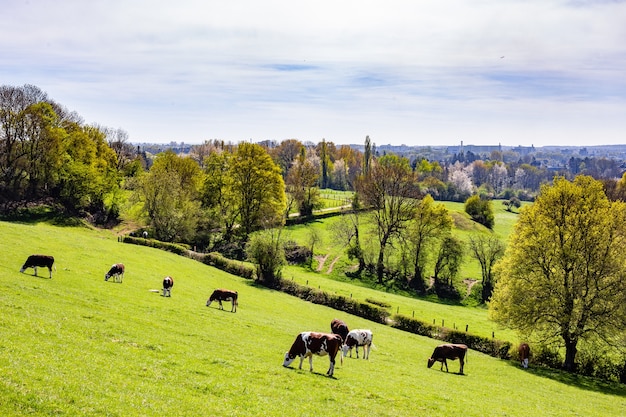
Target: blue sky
[{"x": 532, "y": 72}]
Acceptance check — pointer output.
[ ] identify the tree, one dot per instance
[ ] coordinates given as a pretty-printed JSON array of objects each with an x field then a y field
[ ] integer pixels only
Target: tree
[
  {"x": 170, "y": 195},
  {"x": 562, "y": 274},
  {"x": 430, "y": 222},
  {"x": 480, "y": 210},
  {"x": 257, "y": 188},
  {"x": 447, "y": 266},
  {"x": 302, "y": 183},
  {"x": 513, "y": 202},
  {"x": 391, "y": 191},
  {"x": 265, "y": 249},
  {"x": 486, "y": 250}
]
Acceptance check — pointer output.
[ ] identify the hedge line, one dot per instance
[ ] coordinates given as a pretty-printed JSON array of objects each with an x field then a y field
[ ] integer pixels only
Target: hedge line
[
  {"x": 176, "y": 248},
  {"x": 493, "y": 347},
  {"x": 338, "y": 302}
]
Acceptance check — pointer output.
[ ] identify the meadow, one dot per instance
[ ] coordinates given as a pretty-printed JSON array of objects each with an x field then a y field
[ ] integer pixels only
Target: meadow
[{"x": 75, "y": 345}]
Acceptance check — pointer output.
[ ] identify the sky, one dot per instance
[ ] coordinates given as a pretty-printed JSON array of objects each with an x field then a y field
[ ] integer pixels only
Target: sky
[{"x": 412, "y": 72}]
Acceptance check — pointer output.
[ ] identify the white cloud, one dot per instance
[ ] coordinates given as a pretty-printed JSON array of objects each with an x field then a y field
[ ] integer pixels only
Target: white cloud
[{"x": 396, "y": 70}]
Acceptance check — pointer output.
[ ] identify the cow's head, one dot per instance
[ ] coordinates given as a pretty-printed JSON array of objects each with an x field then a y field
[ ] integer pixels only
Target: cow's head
[
  {"x": 288, "y": 359},
  {"x": 106, "y": 277},
  {"x": 430, "y": 362}
]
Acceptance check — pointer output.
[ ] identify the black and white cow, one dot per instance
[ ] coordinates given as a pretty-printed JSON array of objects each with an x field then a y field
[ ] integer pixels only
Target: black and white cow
[
  {"x": 168, "y": 283},
  {"x": 448, "y": 351},
  {"x": 339, "y": 327},
  {"x": 308, "y": 344},
  {"x": 116, "y": 271},
  {"x": 220, "y": 295},
  {"x": 358, "y": 338},
  {"x": 35, "y": 261}
]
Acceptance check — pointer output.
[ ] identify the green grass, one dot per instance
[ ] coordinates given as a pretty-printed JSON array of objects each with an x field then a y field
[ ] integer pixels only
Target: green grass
[{"x": 76, "y": 345}]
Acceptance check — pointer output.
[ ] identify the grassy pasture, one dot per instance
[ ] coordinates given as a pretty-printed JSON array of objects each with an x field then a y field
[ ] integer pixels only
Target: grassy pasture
[{"x": 75, "y": 345}]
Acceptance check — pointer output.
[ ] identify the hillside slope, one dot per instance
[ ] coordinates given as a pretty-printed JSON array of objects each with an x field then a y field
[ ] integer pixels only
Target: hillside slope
[{"x": 77, "y": 345}]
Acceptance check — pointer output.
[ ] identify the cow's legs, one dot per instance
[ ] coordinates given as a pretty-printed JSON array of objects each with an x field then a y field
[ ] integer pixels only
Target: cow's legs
[
  {"x": 301, "y": 360},
  {"x": 331, "y": 370},
  {"x": 357, "y": 351},
  {"x": 35, "y": 268},
  {"x": 311, "y": 363},
  {"x": 221, "y": 306},
  {"x": 462, "y": 363}
]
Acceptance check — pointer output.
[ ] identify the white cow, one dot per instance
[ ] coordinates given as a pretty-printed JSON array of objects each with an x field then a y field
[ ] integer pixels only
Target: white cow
[{"x": 358, "y": 338}]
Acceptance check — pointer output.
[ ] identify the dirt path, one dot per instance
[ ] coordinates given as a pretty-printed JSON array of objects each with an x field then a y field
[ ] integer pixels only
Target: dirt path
[
  {"x": 320, "y": 262},
  {"x": 330, "y": 268}
]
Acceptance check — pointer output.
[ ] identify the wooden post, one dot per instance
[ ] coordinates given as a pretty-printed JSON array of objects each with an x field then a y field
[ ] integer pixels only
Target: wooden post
[{"x": 466, "y": 326}]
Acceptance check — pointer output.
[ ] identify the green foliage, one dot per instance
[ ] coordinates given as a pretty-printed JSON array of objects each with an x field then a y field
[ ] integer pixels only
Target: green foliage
[
  {"x": 480, "y": 210},
  {"x": 266, "y": 250},
  {"x": 562, "y": 275}
]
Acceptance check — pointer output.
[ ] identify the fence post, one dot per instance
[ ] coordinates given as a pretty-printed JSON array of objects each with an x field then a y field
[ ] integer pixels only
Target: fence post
[
  {"x": 441, "y": 322},
  {"x": 466, "y": 326}
]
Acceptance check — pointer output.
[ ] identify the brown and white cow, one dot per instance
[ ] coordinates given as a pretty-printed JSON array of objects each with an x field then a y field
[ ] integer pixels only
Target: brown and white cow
[
  {"x": 448, "y": 351},
  {"x": 339, "y": 327},
  {"x": 358, "y": 338},
  {"x": 35, "y": 261},
  {"x": 168, "y": 283},
  {"x": 308, "y": 344},
  {"x": 524, "y": 354},
  {"x": 116, "y": 271},
  {"x": 220, "y": 295}
]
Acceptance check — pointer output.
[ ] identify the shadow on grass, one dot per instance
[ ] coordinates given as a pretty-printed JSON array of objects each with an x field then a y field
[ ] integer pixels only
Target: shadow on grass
[
  {"x": 42, "y": 214},
  {"x": 575, "y": 380},
  {"x": 293, "y": 369}
]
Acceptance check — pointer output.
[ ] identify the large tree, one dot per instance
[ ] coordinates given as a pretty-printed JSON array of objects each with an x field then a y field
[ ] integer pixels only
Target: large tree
[
  {"x": 431, "y": 223},
  {"x": 255, "y": 185},
  {"x": 390, "y": 190},
  {"x": 170, "y": 195},
  {"x": 562, "y": 276}
]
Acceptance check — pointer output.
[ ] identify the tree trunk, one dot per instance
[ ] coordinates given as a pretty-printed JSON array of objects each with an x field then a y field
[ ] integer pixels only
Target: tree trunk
[
  {"x": 380, "y": 266},
  {"x": 570, "y": 354}
]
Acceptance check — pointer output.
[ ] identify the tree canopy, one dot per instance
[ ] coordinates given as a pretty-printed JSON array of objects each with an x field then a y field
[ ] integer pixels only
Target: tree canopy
[{"x": 562, "y": 276}]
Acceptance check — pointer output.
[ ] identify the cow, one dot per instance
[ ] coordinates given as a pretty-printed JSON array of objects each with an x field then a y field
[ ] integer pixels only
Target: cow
[
  {"x": 168, "y": 283},
  {"x": 358, "y": 338},
  {"x": 224, "y": 295},
  {"x": 339, "y": 327},
  {"x": 116, "y": 271},
  {"x": 35, "y": 261},
  {"x": 524, "y": 354},
  {"x": 448, "y": 351},
  {"x": 309, "y": 343}
]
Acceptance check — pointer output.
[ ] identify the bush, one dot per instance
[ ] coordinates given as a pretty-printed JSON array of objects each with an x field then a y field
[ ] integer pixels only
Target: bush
[
  {"x": 480, "y": 211},
  {"x": 295, "y": 254}
]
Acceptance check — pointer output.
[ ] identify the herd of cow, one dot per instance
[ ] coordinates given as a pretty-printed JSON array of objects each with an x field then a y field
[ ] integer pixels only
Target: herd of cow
[
  {"x": 306, "y": 344},
  {"x": 117, "y": 273}
]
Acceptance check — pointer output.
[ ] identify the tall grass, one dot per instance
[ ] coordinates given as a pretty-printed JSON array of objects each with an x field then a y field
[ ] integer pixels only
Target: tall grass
[{"x": 76, "y": 345}]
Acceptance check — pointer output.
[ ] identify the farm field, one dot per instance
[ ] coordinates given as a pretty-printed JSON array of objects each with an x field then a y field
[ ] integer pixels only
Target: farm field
[{"x": 76, "y": 345}]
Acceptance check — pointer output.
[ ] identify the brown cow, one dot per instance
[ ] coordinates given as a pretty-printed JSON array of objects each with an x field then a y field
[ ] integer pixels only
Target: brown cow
[
  {"x": 309, "y": 343},
  {"x": 524, "y": 354},
  {"x": 339, "y": 327},
  {"x": 224, "y": 295},
  {"x": 34, "y": 261},
  {"x": 448, "y": 351}
]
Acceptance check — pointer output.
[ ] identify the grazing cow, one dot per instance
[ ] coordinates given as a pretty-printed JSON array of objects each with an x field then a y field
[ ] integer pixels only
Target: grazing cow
[
  {"x": 309, "y": 343},
  {"x": 358, "y": 338},
  {"x": 224, "y": 295},
  {"x": 524, "y": 354},
  {"x": 339, "y": 327},
  {"x": 168, "y": 283},
  {"x": 145, "y": 234},
  {"x": 34, "y": 261},
  {"x": 116, "y": 271},
  {"x": 448, "y": 351}
]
